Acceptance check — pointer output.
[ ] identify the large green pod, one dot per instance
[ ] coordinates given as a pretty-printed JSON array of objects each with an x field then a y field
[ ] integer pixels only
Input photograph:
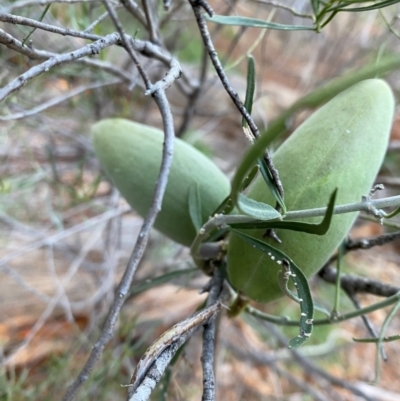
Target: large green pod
[
  {"x": 131, "y": 153},
  {"x": 341, "y": 145}
]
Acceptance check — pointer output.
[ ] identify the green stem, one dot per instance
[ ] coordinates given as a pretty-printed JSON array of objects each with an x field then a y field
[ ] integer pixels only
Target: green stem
[
  {"x": 221, "y": 220},
  {"x": 385, "y": 325},
  {"x": 335, "y": 310},
  {"x": 284, "y": 321}
]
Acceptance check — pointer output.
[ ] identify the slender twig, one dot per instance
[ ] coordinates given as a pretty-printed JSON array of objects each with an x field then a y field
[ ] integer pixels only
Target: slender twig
[
  {"x": 57, "y": 100},
  {"x": 138, "y": 251},
  {"x": 135, "y": 10},
  {"x": 127, "y": 43},
  {"x": 198, "y": 6},
  {"x": 367, "y": 322},
  {"x": 172, "y": 75},
  {"x": 381, "y": 337},
  {"x": 284, "y": 7},
  {"x": 222, "y": 221},
  {"x": 260, "y": 358},
  {"x": 285, "y": 321},
  {"x": 355, "y": 284},
  {"x": 207, "y": 357},
  {"x": 100, "y": 19},
  {"x": 50, "y": 240},
  {"x": 14, "y": 44},
  {"x": 313, "y": 369},
  {"x": 129, "y": 78},
  {"x": 151, "y": 22},
  {"x": 179, "y": 333},
  {"x": 368, "y": 243},
  {"x": 35, "y": 54},
  {"x": 55, "y": 300},
  {"x": 194, "y": 96},
  {"x": 363, "y": 206},
  {"x": 33, "y": 3},
  {"x": 18, "y": 20},
  {"x": 90, "y": 49},
  {"x": 156, "y": 371}
]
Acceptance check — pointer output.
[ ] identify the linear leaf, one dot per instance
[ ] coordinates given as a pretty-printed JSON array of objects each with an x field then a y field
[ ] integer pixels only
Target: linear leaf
[
  {"x": 250, "y": 177},
  {"x": 144, "y": 285},
  {"x": 250, "y": 88},
  {"x": 270, "y": 183},
  {"x": 195, "y": 206},
  {"x": 310, "y": 228},
  {"x": 256, "y": 23},
  {"x": 328, "y": 91},
  {"x": 300, "y": 282}
]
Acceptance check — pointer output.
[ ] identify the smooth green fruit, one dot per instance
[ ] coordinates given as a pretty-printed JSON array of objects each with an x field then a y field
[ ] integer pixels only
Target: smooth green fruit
[
  {"x": 341, "y": 145},
  {"x": 130, "y": 153}
]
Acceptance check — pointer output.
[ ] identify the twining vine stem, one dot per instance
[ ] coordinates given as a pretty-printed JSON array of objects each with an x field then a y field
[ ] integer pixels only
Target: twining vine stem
[{"x": 221, "y": 220}]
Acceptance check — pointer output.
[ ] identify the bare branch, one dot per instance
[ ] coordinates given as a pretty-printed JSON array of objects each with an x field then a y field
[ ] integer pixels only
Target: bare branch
[
  {"x": 260, "y": 358},
  {"x": 151, "y": 22},
  {"x": 127, "y": 43},
  {"x": 138, "y": 251},
  {"x": 156, "y": 371},
  {"x": 207, "y": 357},
  {"x": 135, "y": 10},
  {"x": 367, "y": 322},
  {"x": 173, "y": 74},
  {"x": 198, "y": 6},
  {"x": 178, "y": 333},
  {"x": 368, "y": 243},
  {"x": 33, "y": 3},
  {"x": 355, "y": 284},
  {"x": 100, "y": 19},
  {"x": 93, "y": 48},
  {"x": 14, "y": 44},
  {"x": 17, "y": 20},
  {"x": 57, "y": 100},
  {"x": 205, "y": 34},
  {"x": 194, "y": 96},
  {"x": 313, "y": 369}
]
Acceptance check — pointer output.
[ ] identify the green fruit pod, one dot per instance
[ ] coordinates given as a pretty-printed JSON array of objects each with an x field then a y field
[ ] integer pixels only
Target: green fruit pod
[
  {"x": 131, "y": 153},
  {"x": 342, "y": 145}
]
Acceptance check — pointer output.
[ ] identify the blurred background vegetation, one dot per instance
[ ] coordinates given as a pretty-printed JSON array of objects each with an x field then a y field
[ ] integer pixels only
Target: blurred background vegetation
[{"x": 66, "y": 234}]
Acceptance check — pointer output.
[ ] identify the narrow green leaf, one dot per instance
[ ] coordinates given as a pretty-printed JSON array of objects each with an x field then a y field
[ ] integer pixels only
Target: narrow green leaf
[
  {"x": 382, "y": 332},
  {"x": 300, "y": 282},
  {"x": 156, "y": 281},
  {"x": 256, "y": 23},
  {"x": 247, "y": 163},
  {"x": 328, "y": 91},
  {"x": 257, "y": 210},
  {"x": 225, "y": 207},
  {"x": 315, "y": 6},
  {"x": 250, "y": 88},
  {"x": 195, "y": 206},
  {"x": 375, "y": 6},
  {"x": 310, "y": 228},
  {"x": 250, "y": 177},
  {"x": 39, "y": 20},
  {"x": 228, "y": 204},
  {"x": 338, "y": 287},
  {"x": 270, "y": 183}
]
